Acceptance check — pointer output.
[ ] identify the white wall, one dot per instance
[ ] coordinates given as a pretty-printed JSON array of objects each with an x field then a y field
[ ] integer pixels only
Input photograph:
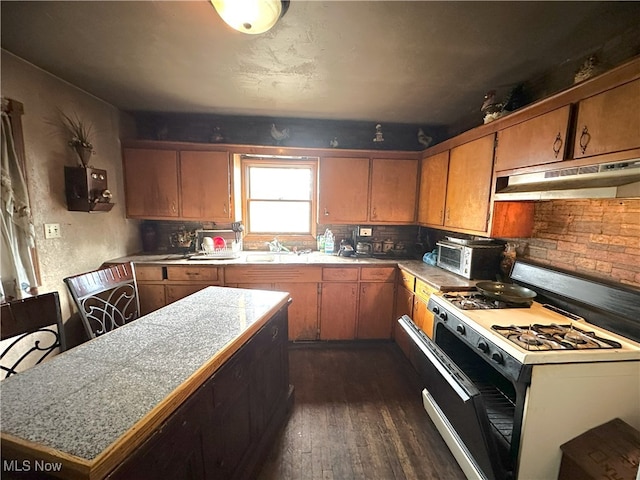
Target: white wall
[{"x": 88, "y": 239}]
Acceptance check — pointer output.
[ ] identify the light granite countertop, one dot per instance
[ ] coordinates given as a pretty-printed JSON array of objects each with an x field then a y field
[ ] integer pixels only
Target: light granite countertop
[
  {"x": 436, "y": 277},
  {"x": 81, "y": 402}
]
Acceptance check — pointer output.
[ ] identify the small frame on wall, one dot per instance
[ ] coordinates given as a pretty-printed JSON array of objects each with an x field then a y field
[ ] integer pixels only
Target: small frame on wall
[{"x": 86, "y": 190}]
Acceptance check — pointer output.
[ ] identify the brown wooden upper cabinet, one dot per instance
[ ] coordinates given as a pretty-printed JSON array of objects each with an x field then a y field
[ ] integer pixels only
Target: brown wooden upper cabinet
[
  {"x": 205, "y": 185},
  {"x": 537, "y": 141},
  {"x": 393, "y": 190},
  {"x": 346, "y": 196},
  {"x": 151, "y": 183},
  {"x": 469, "y": 185},
  {"x": 178, "y": 184},
  {"x": 456, "y": 187},
  {"x": 608, "y": 122},
  {"x": 343, "y": 189},
  {"x": 433, "y": 189}
]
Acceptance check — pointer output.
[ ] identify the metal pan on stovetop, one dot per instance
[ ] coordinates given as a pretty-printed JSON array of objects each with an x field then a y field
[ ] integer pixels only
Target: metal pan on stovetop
[{"x": 506, "y": 292}]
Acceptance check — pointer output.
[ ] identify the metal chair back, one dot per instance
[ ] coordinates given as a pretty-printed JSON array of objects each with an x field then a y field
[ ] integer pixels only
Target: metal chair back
[
  {"x": 29, "y": 323},
  {"x": 106, "y": 298}
]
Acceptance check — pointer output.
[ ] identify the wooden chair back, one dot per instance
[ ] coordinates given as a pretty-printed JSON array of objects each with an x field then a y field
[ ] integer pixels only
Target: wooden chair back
[
  {"x": 29, "y": 323},
  {"x": 106, "y": 298}
]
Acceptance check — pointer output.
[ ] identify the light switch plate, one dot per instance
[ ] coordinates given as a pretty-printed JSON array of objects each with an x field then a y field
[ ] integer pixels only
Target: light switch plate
[
  {"x": 365, "y": 231},
  {"x": 52, "y": 230}
]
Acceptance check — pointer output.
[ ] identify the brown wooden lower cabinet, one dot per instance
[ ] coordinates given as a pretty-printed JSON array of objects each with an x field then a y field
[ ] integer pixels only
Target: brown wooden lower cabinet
[
  {"x": 376, "y": 310},
  {"x": 338, "y": 310},
  {"x": 403, "y": 306},
  {"x": 225, "y": 428},
  {"x": 422, "y": 316},
  {"x": 151, "y": 296},
  {"x": 303, "y": 311}
]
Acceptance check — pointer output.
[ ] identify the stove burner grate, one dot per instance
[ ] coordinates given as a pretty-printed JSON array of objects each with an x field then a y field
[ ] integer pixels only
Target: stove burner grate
[
  {"x": 478, "y": 301},
  {"x": 554, "y": 337}
]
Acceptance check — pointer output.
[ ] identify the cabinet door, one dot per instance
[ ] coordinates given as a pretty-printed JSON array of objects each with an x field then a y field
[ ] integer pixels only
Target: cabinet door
[
  {"x": 376, "y": 310},
  {"x": 205, "y": 185},
  {"x": 433, "y": 189},
  {"x": 151, "y": 296},
  {"x": 229, "y": 439},
  {"x": 176, "y": 292},
  {"x": 175, "y": 449},
  {"x": 609, "y": 122},
  {"x": 393, "y": 190},
  {"x": 338, "y": 311},
  {"x": 534, "y": 142},
  {"x": 344, "y": 190},
  {"x": 303, "y": 311},
  {"x": 403, "y": 306},
  {"x": 469, "y": 185},
  {"x": 270, "y": 381},
  {"x": 422, "y": 316},
  {"x": 151, "y": 183}
]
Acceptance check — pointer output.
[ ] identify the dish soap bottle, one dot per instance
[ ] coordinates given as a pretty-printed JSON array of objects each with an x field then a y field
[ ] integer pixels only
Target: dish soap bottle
[{"x": 329, "y": 243}]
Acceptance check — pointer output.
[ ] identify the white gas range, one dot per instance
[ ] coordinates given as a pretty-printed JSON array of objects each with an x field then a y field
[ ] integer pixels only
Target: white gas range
[
  {"x": 507, "y": 386},
  {"x": 539, "y": 333}
]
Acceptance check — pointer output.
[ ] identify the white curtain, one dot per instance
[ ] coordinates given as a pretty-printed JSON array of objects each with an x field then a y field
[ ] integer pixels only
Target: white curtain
[{"x": 18, "y": 233}]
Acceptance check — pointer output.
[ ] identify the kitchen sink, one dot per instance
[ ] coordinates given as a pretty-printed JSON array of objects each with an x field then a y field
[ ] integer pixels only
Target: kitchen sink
[{"x": 276, "y": 257}]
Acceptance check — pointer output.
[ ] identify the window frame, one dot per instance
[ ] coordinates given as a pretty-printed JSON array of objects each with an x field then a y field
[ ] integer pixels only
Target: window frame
[{"x": 279, "y": 162}]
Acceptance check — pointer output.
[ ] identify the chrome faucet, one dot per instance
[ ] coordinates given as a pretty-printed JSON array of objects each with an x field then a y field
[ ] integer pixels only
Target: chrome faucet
[{"x": 276, "y": 246}]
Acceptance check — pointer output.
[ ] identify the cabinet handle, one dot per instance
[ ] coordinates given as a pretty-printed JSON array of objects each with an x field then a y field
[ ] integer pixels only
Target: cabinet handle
[
  {"x": 173, "y": 207},
  {"x": 441, "y": 215},
  {"x": 274, "y": 333},
  {"x": 326, "y": 212},
  {"x": 557, "y": 145},
  {"x": 373, "y": 213},
  {"x": 585, "y": 138},
  {"x": 224, "y": 208},
  {"x": 448, "y": 215},
  {"x": 192, "y": 273}
]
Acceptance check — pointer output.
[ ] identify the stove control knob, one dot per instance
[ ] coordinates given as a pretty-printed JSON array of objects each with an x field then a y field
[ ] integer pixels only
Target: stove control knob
[
  {"x": 460, "y": 329},
  {"x": 482, "y": 345},
  {"x": 436, "y": 310},
  {"x": 497, "y": 357},
  {"x": 443, "y": 316}
]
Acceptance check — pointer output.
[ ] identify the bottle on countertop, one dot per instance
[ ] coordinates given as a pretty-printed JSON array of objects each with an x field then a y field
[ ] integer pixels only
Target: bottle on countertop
[{"x": 329, "y": 242}]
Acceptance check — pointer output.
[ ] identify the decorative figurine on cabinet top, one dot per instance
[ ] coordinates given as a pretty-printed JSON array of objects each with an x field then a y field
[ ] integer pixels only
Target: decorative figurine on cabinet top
[{"x": 378, "y": 138}]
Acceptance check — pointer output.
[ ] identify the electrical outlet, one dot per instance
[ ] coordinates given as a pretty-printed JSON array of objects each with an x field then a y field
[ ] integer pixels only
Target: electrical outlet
[
  {"x": 365, "y": 231},
  {"x": 52, "y": 230}
]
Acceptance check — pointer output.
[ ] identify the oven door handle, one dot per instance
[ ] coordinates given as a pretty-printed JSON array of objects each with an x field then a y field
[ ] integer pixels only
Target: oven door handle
[{"x": 448, "y": 371}]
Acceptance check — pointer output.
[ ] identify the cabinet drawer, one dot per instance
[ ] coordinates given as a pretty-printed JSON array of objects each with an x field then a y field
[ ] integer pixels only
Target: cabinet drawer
[
  {"x": 424, "y": 290},
  {"x": 378, "y": 274},
  {"x": 340, "y": 274},
  {"x": 407, "y": 280},
  {"x": 147, "y": 272},
  {"x": 192, "y": 273},
  {"x": 268, "y": 274}
]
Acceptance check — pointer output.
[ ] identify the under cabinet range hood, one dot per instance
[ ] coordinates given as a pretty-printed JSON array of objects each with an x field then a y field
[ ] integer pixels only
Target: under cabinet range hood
[{"x": 605, "y": 180}]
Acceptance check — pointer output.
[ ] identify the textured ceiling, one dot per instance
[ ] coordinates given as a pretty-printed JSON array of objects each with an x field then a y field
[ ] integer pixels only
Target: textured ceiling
[{"x": 403, "y": 62}]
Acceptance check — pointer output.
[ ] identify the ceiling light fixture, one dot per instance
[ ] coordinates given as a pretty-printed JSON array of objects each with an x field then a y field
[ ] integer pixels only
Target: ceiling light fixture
[{"x": 251, "y": 16}]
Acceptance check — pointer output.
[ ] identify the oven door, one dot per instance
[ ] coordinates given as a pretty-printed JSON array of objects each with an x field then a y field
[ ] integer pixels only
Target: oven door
[{"x": 455, "y": 406}]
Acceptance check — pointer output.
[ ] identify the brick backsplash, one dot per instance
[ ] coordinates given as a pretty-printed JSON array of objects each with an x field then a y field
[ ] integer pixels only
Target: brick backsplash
[{"x": 595, "y": 237}]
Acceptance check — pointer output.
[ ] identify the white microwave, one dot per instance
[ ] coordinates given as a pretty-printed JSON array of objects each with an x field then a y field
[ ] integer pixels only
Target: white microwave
[{"x": 475, "y": 262}]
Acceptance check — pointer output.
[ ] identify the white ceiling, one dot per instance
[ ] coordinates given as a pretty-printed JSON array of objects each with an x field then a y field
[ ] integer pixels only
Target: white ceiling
[{"x": 386, "y": 61}]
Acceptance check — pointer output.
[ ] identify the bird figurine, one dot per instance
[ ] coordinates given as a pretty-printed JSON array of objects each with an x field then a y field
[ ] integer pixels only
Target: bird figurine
[
  {"x": 588, "y": 69},
  {"x": 334, "y": 143},
  {"x": 378, "y": 138},
  {"x": 423, "y": 138},
  {"x": 491, "y": 108},
  {"x": 279, "y": 135}
]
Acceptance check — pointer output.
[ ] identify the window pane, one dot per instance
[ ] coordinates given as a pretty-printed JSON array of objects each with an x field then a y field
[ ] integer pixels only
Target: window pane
[
  {"x": 280, "y": 183},
  {"x": 279, "y": 217}
]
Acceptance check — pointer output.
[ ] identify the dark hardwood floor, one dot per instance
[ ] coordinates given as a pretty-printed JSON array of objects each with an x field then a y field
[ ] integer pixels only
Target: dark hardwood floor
[{"x": 357, "y": 415}]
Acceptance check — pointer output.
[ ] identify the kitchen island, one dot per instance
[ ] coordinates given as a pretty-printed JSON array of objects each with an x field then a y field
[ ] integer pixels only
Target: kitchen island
[{"x": 198, "y": 386}]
